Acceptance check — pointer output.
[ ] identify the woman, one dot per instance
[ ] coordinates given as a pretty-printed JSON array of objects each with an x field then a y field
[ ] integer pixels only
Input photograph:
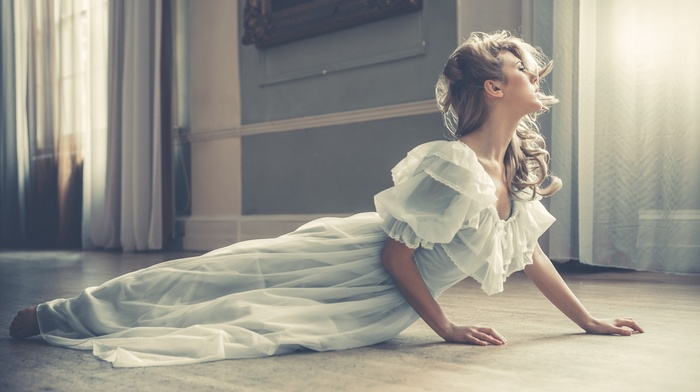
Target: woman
[{"x": 466, "y": 207}]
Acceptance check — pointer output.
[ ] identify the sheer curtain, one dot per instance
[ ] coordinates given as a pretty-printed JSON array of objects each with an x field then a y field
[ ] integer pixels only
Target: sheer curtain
[
  {"x": 80, "y": 99},
  {"x": 44, "y": 79},
  {"x": 10, "y": 230},
  {"x": 85, "y": 123},
  {"x": 124, "y": 194},
  {"x": 626, "y": 134}
]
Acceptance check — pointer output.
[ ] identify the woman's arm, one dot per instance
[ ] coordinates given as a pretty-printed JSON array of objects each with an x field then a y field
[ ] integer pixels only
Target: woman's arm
[
  {"x": 550, "y": 283},
  {"x": 398, "y": 260}
]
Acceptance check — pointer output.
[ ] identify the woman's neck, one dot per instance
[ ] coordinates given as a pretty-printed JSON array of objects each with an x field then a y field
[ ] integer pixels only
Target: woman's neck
[{"x": 490, "y": 142}]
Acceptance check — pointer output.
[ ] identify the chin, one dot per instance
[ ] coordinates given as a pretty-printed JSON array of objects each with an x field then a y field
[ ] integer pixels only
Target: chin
[{"x": 537, "y": 106}]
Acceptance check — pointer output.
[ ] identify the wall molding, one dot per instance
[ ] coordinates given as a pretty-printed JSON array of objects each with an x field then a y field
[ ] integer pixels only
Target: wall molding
[
  {"x": 320, "y": 56},
  {"x": 207, "y": 232},
  {"x": 308, "y": 122},
  {"x": 323, "y": 70}
]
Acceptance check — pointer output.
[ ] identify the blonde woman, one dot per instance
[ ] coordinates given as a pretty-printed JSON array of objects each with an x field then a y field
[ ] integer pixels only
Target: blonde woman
[{"x": 458, "y": 208}]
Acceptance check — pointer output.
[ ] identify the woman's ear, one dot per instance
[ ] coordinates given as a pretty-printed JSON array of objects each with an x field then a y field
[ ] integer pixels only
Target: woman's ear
[{"x": 493, "y": 88}]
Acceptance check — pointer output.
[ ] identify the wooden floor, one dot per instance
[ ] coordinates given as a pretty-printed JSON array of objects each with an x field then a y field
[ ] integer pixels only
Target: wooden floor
[{"x": 545, "y": 352}]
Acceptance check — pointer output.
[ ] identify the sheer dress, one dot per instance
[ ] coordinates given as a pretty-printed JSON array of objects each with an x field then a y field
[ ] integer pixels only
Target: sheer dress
[{"x": 321, "y": 287}]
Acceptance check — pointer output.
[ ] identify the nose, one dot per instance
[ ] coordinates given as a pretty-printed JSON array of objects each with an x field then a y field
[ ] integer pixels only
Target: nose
[{"x": 534, "y": 77}]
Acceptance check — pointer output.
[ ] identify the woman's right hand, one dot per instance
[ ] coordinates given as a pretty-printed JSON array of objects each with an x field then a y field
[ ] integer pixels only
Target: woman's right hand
[
  {"x": 397, "y": 258},
  {"x": 476, "y": 335}
]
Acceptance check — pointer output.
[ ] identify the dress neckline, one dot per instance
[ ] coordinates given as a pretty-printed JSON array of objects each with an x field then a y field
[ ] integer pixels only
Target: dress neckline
[{"x": 513, "y": 204}]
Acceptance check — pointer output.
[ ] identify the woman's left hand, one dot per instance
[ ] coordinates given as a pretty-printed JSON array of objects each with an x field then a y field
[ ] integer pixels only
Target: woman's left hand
[{"x": 624, "y": 326}]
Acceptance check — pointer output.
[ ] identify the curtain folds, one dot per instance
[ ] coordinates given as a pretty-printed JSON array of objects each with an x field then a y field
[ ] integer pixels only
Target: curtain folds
[
  {"x": 626, "y": 133},
  {"x": 124, "y": 206},
  {"x": 78, "y": 169},
  {"x": 10, "y": 230},
  {"x": 29, "y": 183}
]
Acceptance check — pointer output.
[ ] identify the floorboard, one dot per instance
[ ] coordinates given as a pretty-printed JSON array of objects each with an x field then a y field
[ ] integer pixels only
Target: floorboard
[{"x": 545, "y": 352}]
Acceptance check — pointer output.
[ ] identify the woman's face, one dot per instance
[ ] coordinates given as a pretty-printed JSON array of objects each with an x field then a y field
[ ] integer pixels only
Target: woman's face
[{"x": 521, "y": 87}]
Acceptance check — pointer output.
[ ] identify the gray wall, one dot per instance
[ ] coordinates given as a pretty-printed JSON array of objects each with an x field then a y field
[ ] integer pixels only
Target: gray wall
[
  {"x": 390, "y": 61},
  {"x": 338, "y": 169},
  {"x": 328, "y": 170},
  {"x": 256, "y": 170}
]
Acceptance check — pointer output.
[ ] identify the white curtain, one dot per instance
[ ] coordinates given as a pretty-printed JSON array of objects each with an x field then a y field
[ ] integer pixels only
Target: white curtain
[
  {"x": 45, "y": 82},
  {"x": 123, "y": 190},
  {"x": 80, "y": 101},
  {"x": 82, "y": 120},
  {"x": 95, "y": 142},
  {"x": 22, "y": 33},
  {"x": 626, "y": 134}
]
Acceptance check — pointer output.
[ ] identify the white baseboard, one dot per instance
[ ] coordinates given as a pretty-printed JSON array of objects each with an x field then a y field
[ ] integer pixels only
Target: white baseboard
[{"x": 208, "y": 232}]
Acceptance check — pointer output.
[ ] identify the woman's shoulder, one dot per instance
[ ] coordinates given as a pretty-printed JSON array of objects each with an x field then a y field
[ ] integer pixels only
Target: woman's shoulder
[{"x": 441, "y": 155}]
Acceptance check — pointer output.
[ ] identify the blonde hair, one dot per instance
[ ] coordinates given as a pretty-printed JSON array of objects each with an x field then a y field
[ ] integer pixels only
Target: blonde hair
[{"x": 460, "y": 97}]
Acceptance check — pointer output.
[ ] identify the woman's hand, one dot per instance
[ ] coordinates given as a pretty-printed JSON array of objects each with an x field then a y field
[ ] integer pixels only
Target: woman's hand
[
  {"x": 624, "y": 326},
  {"x": 476, "y": 335},
  {"x": 551, "y": 284}
]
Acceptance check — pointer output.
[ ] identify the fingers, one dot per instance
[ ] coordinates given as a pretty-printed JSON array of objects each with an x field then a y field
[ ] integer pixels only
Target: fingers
[
  {"x": 621, "y": 331},
  {"x": 477, "y": 342},
  {"x": 629, "y": 323},
  {"x": 495, "y": 335},
  {"x": 624, "y": 326},
  {"x": 486, "y": 338},
  {"x": 479, "y": 336},
  {"x": 488, "y": 335}
]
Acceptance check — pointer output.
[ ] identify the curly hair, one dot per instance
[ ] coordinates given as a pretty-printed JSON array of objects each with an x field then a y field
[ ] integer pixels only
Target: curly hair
[{"x": 460, "y": 97}]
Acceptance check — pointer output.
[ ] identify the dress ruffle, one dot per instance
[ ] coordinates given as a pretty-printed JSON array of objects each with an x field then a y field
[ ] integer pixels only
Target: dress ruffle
[
  {"x": 451, "y": 164},
  {"x": 442, "y": 195},
  {"x": 437, "y": 187},
  {"x": 489, "y": 249}
]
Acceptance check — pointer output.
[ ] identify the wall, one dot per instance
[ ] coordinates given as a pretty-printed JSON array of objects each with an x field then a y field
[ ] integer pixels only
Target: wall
[
  {"x": 215, "y": 172},
  {"x": 312, "y": 128},
  {"x": 339, "y": 167},
  {"x": 488, "y": 16}
]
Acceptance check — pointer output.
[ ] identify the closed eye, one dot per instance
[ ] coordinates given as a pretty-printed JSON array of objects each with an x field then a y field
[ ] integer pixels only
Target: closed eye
[{"x": 521, "y": 66}]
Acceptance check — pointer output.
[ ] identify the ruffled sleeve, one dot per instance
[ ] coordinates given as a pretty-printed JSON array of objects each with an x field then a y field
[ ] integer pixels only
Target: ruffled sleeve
[
  {"x": 489, "y": 249},
  {"x": 437, "y": 187}
]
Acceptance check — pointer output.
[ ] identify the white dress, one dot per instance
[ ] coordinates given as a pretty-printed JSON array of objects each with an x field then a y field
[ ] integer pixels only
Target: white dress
[{"x": 321, "y": 287}]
